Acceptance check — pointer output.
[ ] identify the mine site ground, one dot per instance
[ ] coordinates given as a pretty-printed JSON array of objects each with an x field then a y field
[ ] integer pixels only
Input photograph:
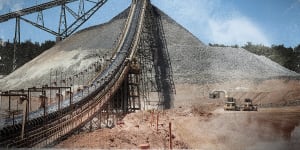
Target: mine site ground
[
  {"x": 200, "y": 126},
  {"x": 197, "y": 121},
  {"x": 200, "y": 123}
]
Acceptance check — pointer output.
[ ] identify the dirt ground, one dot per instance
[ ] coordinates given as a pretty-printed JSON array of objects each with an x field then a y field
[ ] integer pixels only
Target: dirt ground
[
  {"x": 201, "y": 123},
  {"x": 261, "y": 92},
  {"x": 199, "y": 127}
]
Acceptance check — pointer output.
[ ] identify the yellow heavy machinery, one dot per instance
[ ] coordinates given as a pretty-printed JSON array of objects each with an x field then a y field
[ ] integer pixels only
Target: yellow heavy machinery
[
  {"x": 229, "y": 103},
  {"x": 248, "y": 105},
  {"x": 216, "y": 94}
]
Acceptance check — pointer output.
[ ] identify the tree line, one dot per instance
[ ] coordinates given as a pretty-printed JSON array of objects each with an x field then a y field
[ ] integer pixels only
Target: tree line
[
  {"x": 286, "y": 56},
  {"x": 26, "y": 51}
]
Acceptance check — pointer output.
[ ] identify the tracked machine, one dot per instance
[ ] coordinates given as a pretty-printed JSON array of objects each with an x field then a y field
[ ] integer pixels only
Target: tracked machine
[
  {"x": 248, "y": 105},
  {"x": 229, "y": 103}
]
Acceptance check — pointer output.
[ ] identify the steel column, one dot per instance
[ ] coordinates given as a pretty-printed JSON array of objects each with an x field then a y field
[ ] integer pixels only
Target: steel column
[{"x": 16, "y": 42}]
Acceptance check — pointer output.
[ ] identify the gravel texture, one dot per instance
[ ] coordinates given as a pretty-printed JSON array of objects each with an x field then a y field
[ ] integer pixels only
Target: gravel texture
[
  {"x": 192, "y": 61},
  {"x": 70, "y": 56},
  {"x": 195, "y": 62}
]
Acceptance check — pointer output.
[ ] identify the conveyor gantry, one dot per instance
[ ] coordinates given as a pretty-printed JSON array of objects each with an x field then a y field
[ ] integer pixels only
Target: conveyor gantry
[{"x": 33, "y": 9}]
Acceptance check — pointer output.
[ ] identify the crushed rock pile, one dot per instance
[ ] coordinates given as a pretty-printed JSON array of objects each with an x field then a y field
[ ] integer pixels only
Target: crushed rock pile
[
  {"x": 195, "y": 62},
  {"x": 68, "y": 57},
  {"x": 192, "y": 61}
]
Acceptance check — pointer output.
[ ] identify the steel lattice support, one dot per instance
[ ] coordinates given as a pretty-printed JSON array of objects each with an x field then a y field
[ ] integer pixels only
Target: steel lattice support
[
  {"x": 81, "y": 10},
  {"x": 40, "y": 18},
  {"x": 163, "y": 68},
  {"x": 62, "y": 27},
  {"x": 16, "y": 42},
  {"x": 155, "y": 62},
  {"x": 134, "y": 101}
]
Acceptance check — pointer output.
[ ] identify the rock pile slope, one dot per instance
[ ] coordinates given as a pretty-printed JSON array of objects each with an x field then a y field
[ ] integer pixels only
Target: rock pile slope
[
  {"x": 195, "y": 62},
  {"x": 68, "y": 57},
  {"x": 192, "y": 61}
]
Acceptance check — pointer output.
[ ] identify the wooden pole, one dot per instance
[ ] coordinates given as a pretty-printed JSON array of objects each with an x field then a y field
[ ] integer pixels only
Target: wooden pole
[
  {"x": 24, "y": 118},
  {"x": 152, "y": 117},
  {"x": 170, "y": 135},
  {"x": 9, "y": 104},
  {"x": 157, "y": 122}
]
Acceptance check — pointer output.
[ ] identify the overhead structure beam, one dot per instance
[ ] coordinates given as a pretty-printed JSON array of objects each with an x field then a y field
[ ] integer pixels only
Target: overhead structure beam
[
  {"x": 16, "y": 42},
  {"x": 62, "y": 27},
  {"x": 81, "y": 10},
  {"x": 64, "y": 30},
  {"x": 40, "y": 26},
  {"x": 82, "y": 19},
  {"x": 40, "y": 18},
  {"x": 72, "y": 12},
  {"x": 91, "y": 1},
  {"x": 33, "y": 9}
]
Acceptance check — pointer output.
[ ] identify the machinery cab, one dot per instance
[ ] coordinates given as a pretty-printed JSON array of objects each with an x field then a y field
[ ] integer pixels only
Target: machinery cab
[
  {"x": 248, "y": 105},
  {"x": 230, "y": 104},
  {"x": 214, "y": 95}
]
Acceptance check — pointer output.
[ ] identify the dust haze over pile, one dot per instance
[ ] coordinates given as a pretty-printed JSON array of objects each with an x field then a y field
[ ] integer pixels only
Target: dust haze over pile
[{"x": 252, "y": 131}]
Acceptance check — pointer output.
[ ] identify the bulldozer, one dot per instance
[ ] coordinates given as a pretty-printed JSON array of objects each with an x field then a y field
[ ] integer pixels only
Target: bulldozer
[
  {"x": 248, "y": 105},
  {"x": 229, "y": 103}
]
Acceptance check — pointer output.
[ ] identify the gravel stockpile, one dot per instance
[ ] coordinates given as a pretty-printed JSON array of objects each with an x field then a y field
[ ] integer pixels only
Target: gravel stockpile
[
  {"x": 195, "y": 62},
  {"x": 70, "y": 56},
  {"x": 192, "y": 61}
]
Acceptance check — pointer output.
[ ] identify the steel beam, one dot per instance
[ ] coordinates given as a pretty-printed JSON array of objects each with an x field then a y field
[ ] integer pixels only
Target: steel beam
[
  {"x": 40, "y": 26},
  {"x": 81, "y": 10},
  {"x": 33, "y": 9},
  {"x": 40, "y": 18},
  {"x": 16, "y": 42},
  {"x": 82, "y": 19},
  {"x": 62, "y": 27}
]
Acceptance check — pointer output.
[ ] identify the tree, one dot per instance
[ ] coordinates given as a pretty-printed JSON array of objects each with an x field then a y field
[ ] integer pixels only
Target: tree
[
  {"x": 26, "y": 51},
  {"x": 297, "y": 49}
]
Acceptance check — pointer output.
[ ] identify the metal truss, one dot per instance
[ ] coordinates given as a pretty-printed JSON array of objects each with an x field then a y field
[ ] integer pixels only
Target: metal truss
[
  {"x": 64, "y": 29},
  {"x": 33, "y": 9},
  {"x": 157, "y": 75}
]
